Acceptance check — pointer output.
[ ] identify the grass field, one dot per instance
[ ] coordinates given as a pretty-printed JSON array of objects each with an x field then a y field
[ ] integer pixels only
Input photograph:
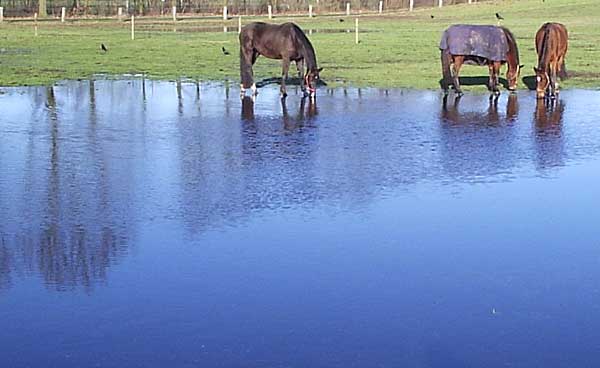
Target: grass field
[{"x": 396, "y": 50}]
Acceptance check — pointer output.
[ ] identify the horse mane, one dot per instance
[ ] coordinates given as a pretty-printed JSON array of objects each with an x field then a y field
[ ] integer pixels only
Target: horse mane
[
  {"x": 512, "y": 42},
  {"x": 542, "y": 62},
  {"x": 308, "y": 52}
]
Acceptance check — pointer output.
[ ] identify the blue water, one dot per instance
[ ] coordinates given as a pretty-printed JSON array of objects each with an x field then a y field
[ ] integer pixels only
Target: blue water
[{"x": 146, "y": 224}]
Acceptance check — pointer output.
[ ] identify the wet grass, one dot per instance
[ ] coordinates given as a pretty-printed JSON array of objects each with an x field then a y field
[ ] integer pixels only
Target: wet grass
[{"x": 396, "y": 50}]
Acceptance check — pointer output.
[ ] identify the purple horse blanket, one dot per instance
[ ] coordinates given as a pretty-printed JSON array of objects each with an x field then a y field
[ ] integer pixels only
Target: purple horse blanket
[{"x": 484, "y": 41}]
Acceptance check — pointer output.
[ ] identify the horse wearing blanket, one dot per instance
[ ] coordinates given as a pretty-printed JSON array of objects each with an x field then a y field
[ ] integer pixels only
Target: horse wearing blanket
[{"x": 479, "y": 45}]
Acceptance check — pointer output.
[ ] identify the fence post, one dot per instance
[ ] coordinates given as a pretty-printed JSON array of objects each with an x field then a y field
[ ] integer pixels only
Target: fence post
[
  {"x": 1, "y": 14},
  {"x": 270, "y": 9},
  {"x": 380, "y": 7},
  {"x": 440, "y": 3},
  {"x": 310, "y": 13},
  {"x": 240, "y": 24},
  {"x": 132, "y": 27},
  {"x": 469, "y": 1},
  {"x": 411, "y": 5},
  {"x": 120, "y": 13},
  {"x": 35, "y": 29},
  {"x": 225, "y": 12},
  {"x": 127, "y": 5},
  {"x": 62, "y": 14},
  {"x": 356, "y": 31},
  {"x": 347, "y": 8},
  {"x": 174, "y": 14}
]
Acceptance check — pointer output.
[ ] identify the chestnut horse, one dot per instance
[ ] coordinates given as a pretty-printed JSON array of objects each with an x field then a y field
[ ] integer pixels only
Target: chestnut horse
[
  {"x": 286, "y": 42},
  {"x": 551, "y": 44},
  {"x": 479, "y": 45}
]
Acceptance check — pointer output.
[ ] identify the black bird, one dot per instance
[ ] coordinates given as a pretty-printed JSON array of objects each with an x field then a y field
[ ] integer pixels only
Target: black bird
[
  {"x": 225, "y": 52},
  {"x": 103, "y": 47},
  {"x": 432, "y": 16},
  {"x": 341, "y": 20},
  {"x": 499, "y": 17}
]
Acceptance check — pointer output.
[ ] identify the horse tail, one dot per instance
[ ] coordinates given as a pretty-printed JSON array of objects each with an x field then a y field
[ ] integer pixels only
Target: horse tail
[{"x": 446, "y": 74}]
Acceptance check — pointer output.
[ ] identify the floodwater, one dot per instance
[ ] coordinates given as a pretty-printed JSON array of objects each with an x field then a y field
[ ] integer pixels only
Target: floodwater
[{"x": 155, "y": 224}]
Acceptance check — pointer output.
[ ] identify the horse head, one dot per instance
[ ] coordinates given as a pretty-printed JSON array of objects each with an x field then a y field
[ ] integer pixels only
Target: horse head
[
  {"x": 543, "y": 81},
  {"x": 512, "y": 76},
  {"x": 311, "y": 79}
]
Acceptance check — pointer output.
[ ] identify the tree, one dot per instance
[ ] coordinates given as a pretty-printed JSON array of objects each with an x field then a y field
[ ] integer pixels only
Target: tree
[{"x": 42, "y": 8}]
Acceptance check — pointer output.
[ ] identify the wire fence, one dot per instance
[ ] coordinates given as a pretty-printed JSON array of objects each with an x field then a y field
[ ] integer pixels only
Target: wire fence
[{"x": 75, "y": 8}]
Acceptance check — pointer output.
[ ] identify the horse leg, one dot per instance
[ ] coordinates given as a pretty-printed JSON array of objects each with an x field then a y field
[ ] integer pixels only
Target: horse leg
[
  {"x": 284, "y": 75},
  {"x": 446, "y": 59},
  {"x": 562, "y": 73},
  {"x": 553, "y": 82},
  {"x": 300, "y": 68},
  {"x": 490, "y": 84},
  {"x": 496, "y": 70},
  {"x": 246, "y": 61},
  {"x": 254, "y": 57},
  {"x": 458, "y": 61}
]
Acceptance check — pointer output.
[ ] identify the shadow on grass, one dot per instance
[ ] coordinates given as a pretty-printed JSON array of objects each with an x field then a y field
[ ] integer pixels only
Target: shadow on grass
[
  {"x": 293, "y": 81},
  {"x": 530, "y": 82}
]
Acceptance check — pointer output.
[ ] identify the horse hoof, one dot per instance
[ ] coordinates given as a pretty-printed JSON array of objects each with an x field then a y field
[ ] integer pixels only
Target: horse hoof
[{"x": 459, "y": 93}]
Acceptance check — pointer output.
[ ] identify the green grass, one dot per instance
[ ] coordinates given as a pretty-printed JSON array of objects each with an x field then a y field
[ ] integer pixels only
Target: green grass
[{"x": 396, "y": 50}]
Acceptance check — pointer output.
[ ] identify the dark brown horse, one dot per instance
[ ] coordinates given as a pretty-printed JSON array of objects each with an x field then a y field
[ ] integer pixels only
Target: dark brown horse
[
  {"x": 479, "y": 45},
  {"x": 551, "y": 44},
  {"x": 286, "y": 42}
]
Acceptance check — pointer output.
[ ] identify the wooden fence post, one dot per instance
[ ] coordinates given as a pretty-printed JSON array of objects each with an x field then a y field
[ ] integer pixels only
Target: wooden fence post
[
  {"x": 411, "y": 5},
  {"x": 225, "y": 12},
  {"x": 240, "y": 24},
  {"x": 1, "y": 14},
  {"x": 174, "y": 10},
  {"x": 35, "y": 29},
  {"x": 440, "y": 3},
  {"x": 347, "y": 8},
  {"x": 356, "y": 31},
  {"x": 120, "y": 13},
  {"x": 310, "y": 13},
  {"x": 270, "y": 9},
  {"x": 62, "y": 14},
  {"x": 380, "y": 7},
  {"x": 132, "y": 27}
]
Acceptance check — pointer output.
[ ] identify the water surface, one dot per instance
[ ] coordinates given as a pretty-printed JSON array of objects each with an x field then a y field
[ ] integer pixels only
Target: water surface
[{"x": 155, "y": 224}]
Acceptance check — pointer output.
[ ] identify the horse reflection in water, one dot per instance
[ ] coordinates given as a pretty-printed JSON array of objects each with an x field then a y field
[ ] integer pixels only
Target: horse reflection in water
[
  {"x": 305, "y": 110},
  {"x": 549, "y": 140},
  {"x": 476, "y": 144},
  {"x": 247, "y": 108},
  {"x": 453, "y": 115}
]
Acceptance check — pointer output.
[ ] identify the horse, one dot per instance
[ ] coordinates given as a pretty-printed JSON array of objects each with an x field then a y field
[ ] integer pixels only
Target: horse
[
  {"x": 551, "y": 44},
  {"x": 479, "y": 45},
  {"x": 286, "y": 42}
]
